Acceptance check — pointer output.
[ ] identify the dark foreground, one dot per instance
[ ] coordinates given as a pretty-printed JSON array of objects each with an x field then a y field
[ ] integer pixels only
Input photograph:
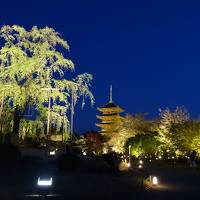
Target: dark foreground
[
  {"x": 21, "y": 184},
  {"x": 174, "y": 183}
]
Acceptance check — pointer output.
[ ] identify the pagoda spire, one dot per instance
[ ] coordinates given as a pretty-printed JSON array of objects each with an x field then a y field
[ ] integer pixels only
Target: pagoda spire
[{"x": 111, "y": 100}]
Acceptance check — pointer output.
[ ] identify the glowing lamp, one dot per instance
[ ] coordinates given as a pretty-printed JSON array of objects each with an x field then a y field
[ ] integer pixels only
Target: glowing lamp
[
  {"x": 160, "y": 157},
  {"x": 155, "y": 180},
  {"x": 84, "y": 153},
  {"x": 52, "y": 153},
  {"x": 128, "y": 164},
  {"x": 140, "y": 166},
  {"x": 141, "y": 162},
  {"x": 45, "y": 182}
]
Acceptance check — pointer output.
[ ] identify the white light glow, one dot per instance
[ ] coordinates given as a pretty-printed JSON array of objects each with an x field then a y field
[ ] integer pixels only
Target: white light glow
[
  {"x": 160, "y": 157},
  {"x": 44, "y": 182},
  {"x": 154, "y": 180},
  {"x": 105, "y": 151},
  {"x": 141, "y": 162},
  {"x": 52, "y": 153},
  {"x": 140, "y": 166},
  {"x": 84, "y": 153},
  {"x": 128, "y": 164}
]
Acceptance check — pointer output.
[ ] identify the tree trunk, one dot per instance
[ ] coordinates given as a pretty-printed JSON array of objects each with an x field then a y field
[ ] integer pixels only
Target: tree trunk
[{"x": 16, "y": 125}]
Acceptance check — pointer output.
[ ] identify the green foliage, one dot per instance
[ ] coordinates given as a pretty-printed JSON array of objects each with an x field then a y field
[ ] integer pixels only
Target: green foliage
[
  {"x": 29, "y": 61},
  {"x": 31, "y": 129},
  {"x": 80, "y": 143},
  {"x": 186, "y": 137},
  {"x": 167, "y": 120},
  {"x": 128, "y": 128},
  {"x": 143, "y": 144},
  {"x": 6, "y": 119}
]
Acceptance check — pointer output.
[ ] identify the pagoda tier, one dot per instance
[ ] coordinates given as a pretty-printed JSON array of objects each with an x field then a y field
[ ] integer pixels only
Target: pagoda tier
[
  {"x": 108, "y": 117},
  {"x": 110, "y": 108},
  {"x": 105, "y": 126}
]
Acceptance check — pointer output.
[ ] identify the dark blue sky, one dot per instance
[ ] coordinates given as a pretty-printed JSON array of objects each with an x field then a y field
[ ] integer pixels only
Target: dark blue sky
[{"x": 148, "y": 50}]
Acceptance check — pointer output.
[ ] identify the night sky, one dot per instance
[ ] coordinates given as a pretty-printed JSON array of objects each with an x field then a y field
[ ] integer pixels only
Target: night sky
[{"x": 148, "y": 50}]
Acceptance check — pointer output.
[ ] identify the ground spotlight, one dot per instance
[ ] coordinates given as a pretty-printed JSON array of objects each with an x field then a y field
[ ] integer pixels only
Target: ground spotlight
[
  {"x": 44, "y": 185},
  {"x": 155, "y": 180},
  {"x": 52, "y": 153},
  {"x": 140, "y": 166},
  {"x": 45, "y": 182}
]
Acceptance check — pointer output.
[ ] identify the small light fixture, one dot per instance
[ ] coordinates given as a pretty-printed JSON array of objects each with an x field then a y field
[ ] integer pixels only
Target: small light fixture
[
  {"x": 45, "y": 182},
  {"x": 52, "y": 153},
  {"x": 139, "y": 166},
  {"x": 84, "y": 153},
  {"x": 141, "y": 162},
  {"x": 155, "y": 180}
]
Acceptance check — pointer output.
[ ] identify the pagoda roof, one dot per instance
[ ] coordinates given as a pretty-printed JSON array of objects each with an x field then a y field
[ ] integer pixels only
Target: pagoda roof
[
  {"x": 109, "y": 105},
  {"x": 109, "y": 117},
  {"x": 109, "y": 114},
  {"x": 110, "y": 108},
  {"x": 105, "y": 124}
]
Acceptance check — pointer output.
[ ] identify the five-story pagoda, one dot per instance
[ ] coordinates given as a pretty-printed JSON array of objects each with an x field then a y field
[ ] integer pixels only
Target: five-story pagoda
[{"x": 110, "y": 117}]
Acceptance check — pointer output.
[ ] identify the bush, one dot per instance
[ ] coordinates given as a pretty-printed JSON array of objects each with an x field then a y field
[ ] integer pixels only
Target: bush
[{"x": 113, "y": 160}]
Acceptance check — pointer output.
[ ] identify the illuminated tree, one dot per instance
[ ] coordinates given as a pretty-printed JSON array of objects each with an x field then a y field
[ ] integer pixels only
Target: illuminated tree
[
  {"x": 32, "y": 129},
  {"x": 75, "y": 89},
  {"x": 94, "y": 142},
  {"x": 186, "y": 137},
  {"x": 143, "y": 145},
  {"x": 167, "y": 120},
  {"x": 31, "y": 63},
  {"x": 129, "y": 127},
  {"x": 79, "y": 144}
]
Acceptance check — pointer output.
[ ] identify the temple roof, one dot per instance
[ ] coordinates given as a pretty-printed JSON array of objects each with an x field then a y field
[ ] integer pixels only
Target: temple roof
[
  {"x": 109, "y": 117},
  {"x": 110, "y": 108},
  {"x": 109, "y": 105}
]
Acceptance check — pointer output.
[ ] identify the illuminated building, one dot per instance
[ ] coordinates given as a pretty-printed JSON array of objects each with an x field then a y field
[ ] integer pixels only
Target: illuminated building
[{"x": 109, "y": 117}]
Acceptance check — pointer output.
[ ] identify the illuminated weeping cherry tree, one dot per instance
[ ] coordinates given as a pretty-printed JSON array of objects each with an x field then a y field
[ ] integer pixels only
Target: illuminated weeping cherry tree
[
  {"x": 30, "y": 65},
  {"x": 75, "y": 89}
]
